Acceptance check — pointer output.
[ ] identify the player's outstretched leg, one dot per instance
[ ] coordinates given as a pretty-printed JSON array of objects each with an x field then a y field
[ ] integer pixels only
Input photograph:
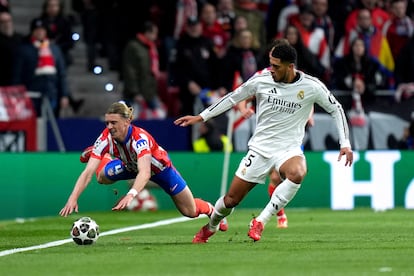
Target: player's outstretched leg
[
  {"x": 217, "y": 220},
  {"x": 206, "y": 208}
]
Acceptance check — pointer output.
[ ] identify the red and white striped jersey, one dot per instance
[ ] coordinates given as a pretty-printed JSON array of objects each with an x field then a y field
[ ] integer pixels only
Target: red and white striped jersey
[{"x": 137, "y": 144}]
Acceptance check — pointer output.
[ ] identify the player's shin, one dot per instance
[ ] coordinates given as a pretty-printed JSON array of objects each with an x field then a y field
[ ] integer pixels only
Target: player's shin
[
  {"x": 282, "y": 195},
  {"x": 220, "y": 212}
]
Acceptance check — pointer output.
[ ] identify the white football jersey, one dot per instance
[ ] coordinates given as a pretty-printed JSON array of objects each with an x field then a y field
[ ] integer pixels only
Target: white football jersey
[{"x": 282, "y": 110}]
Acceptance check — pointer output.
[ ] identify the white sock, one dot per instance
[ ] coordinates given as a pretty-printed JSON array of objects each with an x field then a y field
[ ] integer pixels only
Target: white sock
[
  {"x": 281, "y": 196},
  {"x": 220, "y": 212}
]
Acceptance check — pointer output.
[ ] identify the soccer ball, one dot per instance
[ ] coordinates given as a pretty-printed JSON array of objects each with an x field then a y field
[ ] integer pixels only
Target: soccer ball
[{"x": 85, "y": 231}]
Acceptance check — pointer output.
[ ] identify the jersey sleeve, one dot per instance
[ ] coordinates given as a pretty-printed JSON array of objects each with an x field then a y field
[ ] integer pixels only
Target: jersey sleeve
[
  {"x": 330, "y": 104},
  {"x": 243, "y": 92},
  {"x": 100, "y": 147},
  {"x": 142, "y": 145}
]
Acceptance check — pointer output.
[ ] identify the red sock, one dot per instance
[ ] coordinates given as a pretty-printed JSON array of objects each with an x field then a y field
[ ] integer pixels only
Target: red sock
[
  {"x": 203, "y": 207},
  {"x": 271, "y": 189},
  {"x": 105, "y": 160}
]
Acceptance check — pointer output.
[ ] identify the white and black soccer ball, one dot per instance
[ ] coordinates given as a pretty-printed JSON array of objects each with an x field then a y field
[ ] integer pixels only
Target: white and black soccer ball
[{"x": 85, "y": 231}]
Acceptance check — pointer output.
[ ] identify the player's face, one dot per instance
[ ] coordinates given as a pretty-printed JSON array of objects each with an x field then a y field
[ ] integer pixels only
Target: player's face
[
  {"x": 117, "y": 126},
  {"x": 279, "y": 70}
]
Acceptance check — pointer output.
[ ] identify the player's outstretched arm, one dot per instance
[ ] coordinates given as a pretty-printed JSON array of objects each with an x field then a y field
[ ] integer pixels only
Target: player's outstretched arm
[
  {"x": 188, "y": 120},
  {"x": 82, "y": 182}
]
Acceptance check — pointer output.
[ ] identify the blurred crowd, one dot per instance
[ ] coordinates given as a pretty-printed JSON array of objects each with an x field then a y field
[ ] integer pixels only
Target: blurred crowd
[{"x": 174, "y": 57}]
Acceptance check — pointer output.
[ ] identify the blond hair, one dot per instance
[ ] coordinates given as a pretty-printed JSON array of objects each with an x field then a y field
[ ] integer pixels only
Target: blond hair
[{"x": 122, "y": 109}]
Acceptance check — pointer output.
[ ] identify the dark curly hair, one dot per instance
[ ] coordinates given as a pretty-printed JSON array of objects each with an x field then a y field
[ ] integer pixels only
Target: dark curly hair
[{"x": 285, "y": 52}]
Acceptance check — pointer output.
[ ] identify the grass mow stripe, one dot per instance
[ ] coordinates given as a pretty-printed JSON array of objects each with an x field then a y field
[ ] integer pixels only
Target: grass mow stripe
[{"x": 106, "y": 233}]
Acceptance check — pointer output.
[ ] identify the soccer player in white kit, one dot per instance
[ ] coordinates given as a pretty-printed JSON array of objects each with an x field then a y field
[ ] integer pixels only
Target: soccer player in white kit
[{"x": 284, "y": 99}]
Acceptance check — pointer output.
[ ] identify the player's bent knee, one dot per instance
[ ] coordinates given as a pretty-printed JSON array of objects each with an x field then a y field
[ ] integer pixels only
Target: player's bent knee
[{"x": 296, "y": 174}]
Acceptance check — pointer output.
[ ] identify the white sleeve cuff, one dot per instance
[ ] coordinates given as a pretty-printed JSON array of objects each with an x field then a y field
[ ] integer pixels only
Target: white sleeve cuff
[{"x": 345, "y": 144}]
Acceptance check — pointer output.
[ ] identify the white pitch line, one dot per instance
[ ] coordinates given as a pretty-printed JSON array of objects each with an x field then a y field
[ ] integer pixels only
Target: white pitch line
[{"x": 106, "y": 233}]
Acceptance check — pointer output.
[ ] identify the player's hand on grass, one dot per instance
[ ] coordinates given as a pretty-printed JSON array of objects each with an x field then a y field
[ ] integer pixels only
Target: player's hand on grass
[{"x": 123, "y": 203}]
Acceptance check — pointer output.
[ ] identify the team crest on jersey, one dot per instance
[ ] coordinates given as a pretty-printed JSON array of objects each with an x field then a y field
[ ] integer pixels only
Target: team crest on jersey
[
  {"x": 243, "y": 171},
  {"x": 301, "y": 95}
]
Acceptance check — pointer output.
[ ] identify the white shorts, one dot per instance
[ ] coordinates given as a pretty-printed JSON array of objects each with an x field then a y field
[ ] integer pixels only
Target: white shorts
[{"x": 255, "y": 168}]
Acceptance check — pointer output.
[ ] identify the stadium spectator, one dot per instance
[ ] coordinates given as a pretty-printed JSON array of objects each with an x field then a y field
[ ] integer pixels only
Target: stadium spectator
[
  {"x": 195, "y": 64},
  {"x": 240, "y": 63},
  {"x": 59, "y": 31},
  {"x": 255, "y": 18},
  {"x": 136, "y": 155},
  {"x": 241, "y": 57},
  {"x": 226, "y": 16},
  {"x": 275, "y": 17},
  {"x": 313, "y": 37},
  {"x": 399, "y": 28},
  {"x": 324, "y": 21},
  {"x": 140, "y": 70},
  {"x": 59, "y": 27},
  {"x": 283, "y": 113},
  {"x": 379, "y": 16},
  {"x": 307, "y": 61},
  {"x": 40, "y": 66},
  {"x": 10, "y": 41},
  {"x": 289, "y": 10},
  {"x": 376, "y": 44},
  {"x": 185, "y": 9},
  {"x": 240, "y": 23},
  {"x": 359, "y": 73},
  {"x": 213, "y": 30}
]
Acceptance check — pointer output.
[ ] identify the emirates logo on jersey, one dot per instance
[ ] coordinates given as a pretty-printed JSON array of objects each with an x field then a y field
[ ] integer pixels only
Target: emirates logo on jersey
[
  {"x": 284, "y": 106},
  {"x": 301, "y": 95}
]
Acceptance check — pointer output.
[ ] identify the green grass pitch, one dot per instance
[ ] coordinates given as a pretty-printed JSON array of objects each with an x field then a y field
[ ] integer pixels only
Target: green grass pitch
[{"x": 317, "y": 242}]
